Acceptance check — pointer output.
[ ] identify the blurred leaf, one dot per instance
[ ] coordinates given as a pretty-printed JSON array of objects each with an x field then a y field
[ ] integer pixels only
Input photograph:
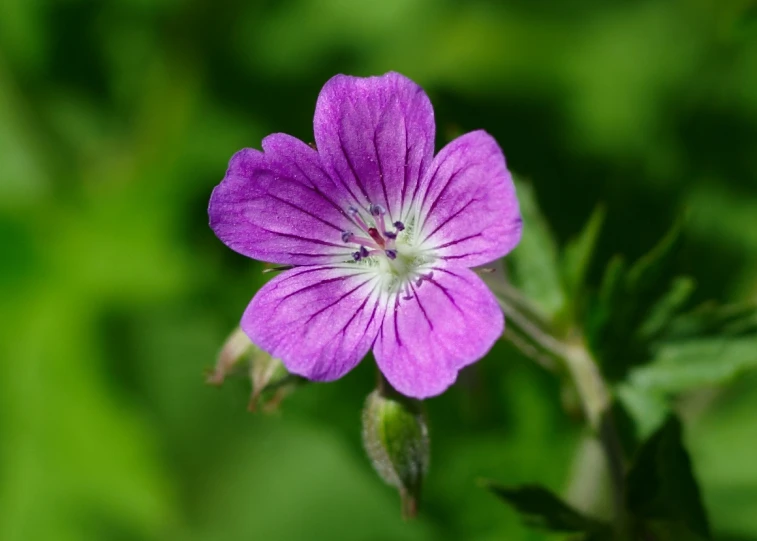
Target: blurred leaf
[
  {"x": 682, "y": 366},
  {"x": 712, "y": 320},
  {"x": 661, "y": 485},
  {"x": 648, "y": 269},
  {"x": 625, "y": 301},
  {"x": 625, "y": 427},
  {"x": 534, "y": 263},
  {"x": 541, "y": 508},
  {"x": 647, "y": 408},
  {"x": 666, "y": 307},
  {"x": 578, "y": 253},
  {"x": 602, "y": 310}
]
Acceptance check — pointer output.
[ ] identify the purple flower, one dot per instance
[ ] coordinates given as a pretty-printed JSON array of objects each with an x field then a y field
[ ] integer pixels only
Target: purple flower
[{"x": 382, "y": 235}]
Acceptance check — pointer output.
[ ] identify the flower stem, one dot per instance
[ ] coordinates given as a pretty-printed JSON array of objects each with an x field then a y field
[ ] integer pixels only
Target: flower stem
[
  {"x": 597, "y": 406},
  {"x": 594, "y": 395}
]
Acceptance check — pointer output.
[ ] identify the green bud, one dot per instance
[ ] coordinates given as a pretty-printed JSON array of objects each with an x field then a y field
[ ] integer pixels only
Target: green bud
[
  {"x": 235, "y": 352},
  {"x": 270, "y": 380},
  {"x": 395, "y": 435}
]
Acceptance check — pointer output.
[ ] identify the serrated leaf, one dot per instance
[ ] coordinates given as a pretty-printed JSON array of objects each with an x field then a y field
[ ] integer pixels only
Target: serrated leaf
[
  {"x": 534, "y": 263},
  {"x": 661, "y": 485},
  {"x": 686, "y": 365},
  {"x": 578, "y": 252},
  {"x": 541, "y": 508}
]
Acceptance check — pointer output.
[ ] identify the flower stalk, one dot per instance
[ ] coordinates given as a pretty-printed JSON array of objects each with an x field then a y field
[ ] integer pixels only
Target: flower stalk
[{"x": 591, "y": 388}]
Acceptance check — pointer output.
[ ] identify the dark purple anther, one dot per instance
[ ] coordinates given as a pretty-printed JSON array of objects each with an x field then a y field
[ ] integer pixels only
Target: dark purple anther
[
  {"x": 391, "y": 254},
  {"x": 363, "y": 251},
  {"x": 356, "y": 256},
  {"x": 390, "y": 235},
  {"x": 399, "y": 226},
  {"x": 377, "y": 210},
  {"x": 347, "y": 236}
]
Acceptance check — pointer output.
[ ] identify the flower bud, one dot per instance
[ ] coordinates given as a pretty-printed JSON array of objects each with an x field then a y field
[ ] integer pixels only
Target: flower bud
[
  {"x": 270, "y": 380},
  {"x": 395, "y": 435},
  {"x": 234, "y": 354}
]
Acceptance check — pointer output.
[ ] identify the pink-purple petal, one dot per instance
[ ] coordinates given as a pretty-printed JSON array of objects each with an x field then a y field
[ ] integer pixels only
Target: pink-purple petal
[
  {"x": 467, "y": 207},
  {"x": 319, "y": 320},
  {"x": 280, "y": 206},
  {"x": 452, "y": 321},
  {"x": 376, "y": 137}
]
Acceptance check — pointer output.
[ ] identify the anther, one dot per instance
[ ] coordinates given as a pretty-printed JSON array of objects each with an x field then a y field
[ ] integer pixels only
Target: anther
[
  {"x": 391, "y": 254},
  {"x": 423, "y": 277},
  {"x": 377, "y": 210},
  {"x": 363, "y": 252},
  {"x": 347, "y": 236},
  {"x": 399, "y": 226},
  {"x": 356, "y": 256},
  {"x": 390, "y": 235},
  {"x": 408, "y": 295}
]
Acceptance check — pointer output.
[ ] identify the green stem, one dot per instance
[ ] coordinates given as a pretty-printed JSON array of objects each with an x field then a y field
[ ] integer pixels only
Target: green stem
[
  {"x": 594, "y": 395},
  {"x": 596, "y": 402}
]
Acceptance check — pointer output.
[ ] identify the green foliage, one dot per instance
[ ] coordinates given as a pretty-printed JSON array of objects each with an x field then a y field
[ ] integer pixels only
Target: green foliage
[
  {"x": 691, "y": 364},
  {"x": 541, "y": 508},
  {"x": 662, "y": 492},
  {"x": 626, "y": 301},
  {"x": 577, "y": 256},
  {"x": 534, "y": 264},
  {"x": 117, "y": 119}
]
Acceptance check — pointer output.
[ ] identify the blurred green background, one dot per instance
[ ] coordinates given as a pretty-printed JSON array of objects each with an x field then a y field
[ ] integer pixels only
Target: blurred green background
[{"x": 118, "y": 118}]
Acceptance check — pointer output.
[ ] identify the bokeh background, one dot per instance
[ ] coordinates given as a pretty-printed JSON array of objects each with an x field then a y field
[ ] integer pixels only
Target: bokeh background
[{"x": 118, "y": 118}]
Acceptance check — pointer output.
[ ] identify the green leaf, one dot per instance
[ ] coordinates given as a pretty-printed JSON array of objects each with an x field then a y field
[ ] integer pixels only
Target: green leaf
[
  {"x": 661, "y": 486},
  {"x": 578, "y": 252},
  {"x": 666, "y": 307},
  {"x": 686, "y": 365},
  {"x": 649, "y": 268},
  {"x": 543, "y": 509},
  {"x": 626, "y": 301},
  {"x": 711, "y": 319},
  {"x": 534, "y": 263}
]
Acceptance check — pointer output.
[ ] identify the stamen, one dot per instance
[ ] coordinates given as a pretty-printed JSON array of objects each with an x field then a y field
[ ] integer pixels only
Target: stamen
[
  {"x": 390, "y": 235},
  {"x": 347, "y": 236},
  {"x": 399, "y": 226},
  {"x": 423, "y": 277},
  {"x": 356, "y": 256},
  {"x": 358, "y": 219},
  {"x": 363, "y": 251},
  {"x": 391, "y": 254},
  {"x": 408, "y": 295},
  {"x": 365, "y": 241},
  {"x": 377, "y": 210}
]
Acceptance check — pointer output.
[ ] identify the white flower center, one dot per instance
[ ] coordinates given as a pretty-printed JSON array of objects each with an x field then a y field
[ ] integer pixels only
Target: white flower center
[{"x": 391, "y": 250}]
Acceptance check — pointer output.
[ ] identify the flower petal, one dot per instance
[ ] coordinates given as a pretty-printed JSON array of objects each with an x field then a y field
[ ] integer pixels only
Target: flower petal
[
  {"x": 376, "y": 135},
  {"x": 280, "y": 206},
  {"x": 451, "y": 321},
  {"x": 319, "y": 320},
  {"x": 467, "y": 208}
]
